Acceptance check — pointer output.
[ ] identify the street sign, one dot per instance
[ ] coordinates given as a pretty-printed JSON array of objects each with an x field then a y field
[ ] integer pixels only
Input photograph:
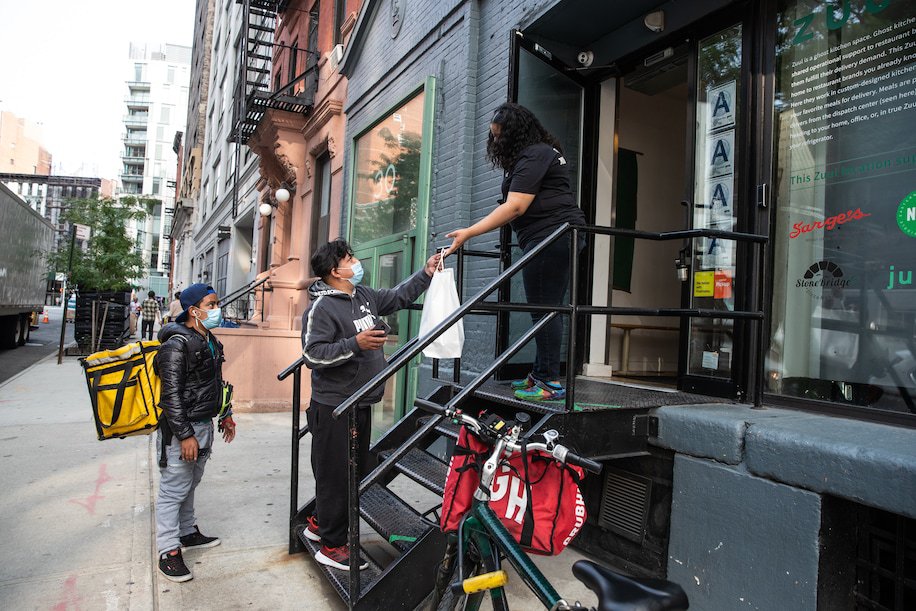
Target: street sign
[{"x": 82, "y": 232}]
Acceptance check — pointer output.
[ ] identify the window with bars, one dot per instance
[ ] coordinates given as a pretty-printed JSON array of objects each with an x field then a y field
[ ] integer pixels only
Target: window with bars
[
  {"x": 867, "y": 558},
  {"x": 885, "y": 561}
]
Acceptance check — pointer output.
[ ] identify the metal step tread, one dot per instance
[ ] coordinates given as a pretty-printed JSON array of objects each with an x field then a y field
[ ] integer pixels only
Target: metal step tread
[
  {"x": 338, "y": 578},
  {"x": 391, "y": 517},
  {"x": 423, "y": 468},
  {"x": 593, "y": 395},
  {"x": 446, "y": 427}
]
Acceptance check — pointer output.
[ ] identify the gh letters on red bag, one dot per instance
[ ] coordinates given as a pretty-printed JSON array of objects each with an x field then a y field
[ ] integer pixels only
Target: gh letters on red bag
[{"x": 547, "y": 524}]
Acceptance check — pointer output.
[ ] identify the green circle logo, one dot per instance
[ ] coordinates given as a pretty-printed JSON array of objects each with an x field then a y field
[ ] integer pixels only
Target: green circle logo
[{"x": 906, "y": 215}]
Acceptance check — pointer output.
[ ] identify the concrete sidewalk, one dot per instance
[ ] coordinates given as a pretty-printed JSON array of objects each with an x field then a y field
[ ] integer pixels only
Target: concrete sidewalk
[{"x": 77, "y": 524}]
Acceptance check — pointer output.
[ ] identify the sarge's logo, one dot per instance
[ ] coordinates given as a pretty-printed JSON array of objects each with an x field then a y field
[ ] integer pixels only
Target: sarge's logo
[
  {"x": 828, "y": 224},
  {"x": 822, "y": 275}
]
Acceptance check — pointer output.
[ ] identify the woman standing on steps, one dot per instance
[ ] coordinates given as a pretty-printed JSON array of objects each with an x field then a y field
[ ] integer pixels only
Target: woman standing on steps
[{"x": 537, "y": 198}]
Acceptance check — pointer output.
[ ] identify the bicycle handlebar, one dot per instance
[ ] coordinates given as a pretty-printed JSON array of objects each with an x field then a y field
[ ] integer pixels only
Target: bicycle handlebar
[{"x": 559, "y": 452}]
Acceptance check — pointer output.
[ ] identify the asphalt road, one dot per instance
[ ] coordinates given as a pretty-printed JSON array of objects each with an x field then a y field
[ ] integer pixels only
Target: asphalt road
[{"x": 42, "y": 342}]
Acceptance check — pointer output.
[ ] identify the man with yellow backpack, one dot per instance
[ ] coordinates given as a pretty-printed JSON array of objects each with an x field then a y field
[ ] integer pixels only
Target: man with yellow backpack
[{"x": 193, "y": 393}]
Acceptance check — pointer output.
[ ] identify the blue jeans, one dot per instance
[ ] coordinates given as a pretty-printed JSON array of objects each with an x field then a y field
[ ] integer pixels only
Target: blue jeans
[{"x": 546, "y": 279}]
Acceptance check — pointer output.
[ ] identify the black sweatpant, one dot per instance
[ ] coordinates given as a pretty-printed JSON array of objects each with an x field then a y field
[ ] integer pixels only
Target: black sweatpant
[
  {"x": 146, "y": 329},
  {"x": 329, "y": 465},
  {"x": 546, "y": 281}
]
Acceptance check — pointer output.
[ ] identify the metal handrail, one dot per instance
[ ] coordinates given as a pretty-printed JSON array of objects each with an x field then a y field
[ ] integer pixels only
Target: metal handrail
[
  {"x": 395, "y": 364},
  {"x": 245, "y": 292},
  {"x": 442, "y": 327},
  {"x": 241, "y": 291}
]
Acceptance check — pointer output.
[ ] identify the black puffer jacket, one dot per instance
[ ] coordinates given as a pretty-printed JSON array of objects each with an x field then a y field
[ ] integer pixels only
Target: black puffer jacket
[{"x": 192, "y": 377}]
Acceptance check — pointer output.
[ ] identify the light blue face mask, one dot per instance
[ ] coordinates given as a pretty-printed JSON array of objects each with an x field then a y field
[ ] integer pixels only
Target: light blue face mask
[
  {"x": 357, "y": 269},
  {"x": 214, "y": 318}
]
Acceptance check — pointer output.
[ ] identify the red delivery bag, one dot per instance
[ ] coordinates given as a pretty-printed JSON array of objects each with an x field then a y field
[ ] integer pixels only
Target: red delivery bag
[{"x": 535, "y": 497}]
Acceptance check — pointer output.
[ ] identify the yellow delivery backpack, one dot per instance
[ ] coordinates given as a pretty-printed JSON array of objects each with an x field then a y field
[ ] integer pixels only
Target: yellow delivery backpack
[{"x": 124, "y": 389}]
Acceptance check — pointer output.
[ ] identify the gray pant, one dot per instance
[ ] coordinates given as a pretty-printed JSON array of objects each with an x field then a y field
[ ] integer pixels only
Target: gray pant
[{"x": 175, "y": 504}]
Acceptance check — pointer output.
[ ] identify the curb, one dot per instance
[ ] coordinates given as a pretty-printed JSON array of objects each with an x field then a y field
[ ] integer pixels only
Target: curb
[{"x": 53, "y": 355}]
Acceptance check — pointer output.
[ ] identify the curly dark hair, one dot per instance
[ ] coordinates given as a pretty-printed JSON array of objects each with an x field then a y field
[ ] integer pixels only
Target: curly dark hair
[
  {"x": 518, "y": 128},
  {"x": 328, "y": 256}
]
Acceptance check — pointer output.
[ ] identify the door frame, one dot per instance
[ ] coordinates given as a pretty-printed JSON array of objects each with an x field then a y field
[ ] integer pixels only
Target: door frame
[
  {"x": 587, "y": 181},
  {"x": 753, "y": 135},
  {"x": 405, "y": 379},
  {"x": 414, "y": 242}
]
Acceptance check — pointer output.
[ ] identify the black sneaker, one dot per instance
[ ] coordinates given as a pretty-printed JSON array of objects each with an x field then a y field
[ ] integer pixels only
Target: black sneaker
[
  {"x": 198, "y": 541},
  {"x": 172, "y": 565}
]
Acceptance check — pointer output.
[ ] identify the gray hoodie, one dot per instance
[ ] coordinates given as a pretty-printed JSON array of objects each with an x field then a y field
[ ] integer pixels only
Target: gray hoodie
[{"x": 329, "y": 328}]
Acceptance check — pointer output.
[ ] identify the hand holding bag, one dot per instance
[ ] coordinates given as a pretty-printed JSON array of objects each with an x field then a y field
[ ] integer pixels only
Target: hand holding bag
[{"x": 441, "y": 301}]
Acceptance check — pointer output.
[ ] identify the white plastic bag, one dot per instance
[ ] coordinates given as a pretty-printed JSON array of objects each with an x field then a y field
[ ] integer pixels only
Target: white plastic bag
[{"x": 442, "y": 300}]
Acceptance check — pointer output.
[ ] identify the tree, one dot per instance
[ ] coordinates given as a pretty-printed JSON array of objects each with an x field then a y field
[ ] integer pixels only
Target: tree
[{"x": 111, "y": 257}]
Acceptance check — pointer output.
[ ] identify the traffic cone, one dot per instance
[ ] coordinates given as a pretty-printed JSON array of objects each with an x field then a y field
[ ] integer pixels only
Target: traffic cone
[{"x": 44, "y": 317}]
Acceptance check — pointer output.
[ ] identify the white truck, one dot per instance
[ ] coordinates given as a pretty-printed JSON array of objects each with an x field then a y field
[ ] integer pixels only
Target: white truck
[{"x": 25, "y": 242}]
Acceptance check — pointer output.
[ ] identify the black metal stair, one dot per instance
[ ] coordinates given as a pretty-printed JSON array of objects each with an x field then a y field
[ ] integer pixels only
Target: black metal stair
[
  {"x": 337, "y": 577},
  {"x": 600, "y": 421},
  {"x": 423, "y": 468},
  {"x": 396, "y": 521},
  {"x": 416, "y": 542}
]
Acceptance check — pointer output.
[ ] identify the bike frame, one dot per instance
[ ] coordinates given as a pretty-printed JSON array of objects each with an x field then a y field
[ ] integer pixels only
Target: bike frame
[{"x": 490, "y": 537}]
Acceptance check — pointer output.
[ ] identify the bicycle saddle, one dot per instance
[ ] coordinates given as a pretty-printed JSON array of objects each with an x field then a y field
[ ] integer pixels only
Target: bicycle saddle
[{"x": 618, "y": 592}]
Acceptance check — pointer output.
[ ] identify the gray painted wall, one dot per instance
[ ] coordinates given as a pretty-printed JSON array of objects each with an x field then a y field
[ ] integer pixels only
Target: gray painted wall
[
  {"x": 742, "y": 542},
  {"x": 754, "y": 512},
  {"x": 465, "y": 45}
]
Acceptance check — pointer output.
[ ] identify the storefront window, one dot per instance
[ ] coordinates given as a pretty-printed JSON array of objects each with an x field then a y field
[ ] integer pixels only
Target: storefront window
[
  {"x": 388, "y": 175},
  {"x": 844, "y": 308}
]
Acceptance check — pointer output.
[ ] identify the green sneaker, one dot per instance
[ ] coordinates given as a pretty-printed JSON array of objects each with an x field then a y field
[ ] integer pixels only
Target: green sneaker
[
  {"x": 542, "y": 391},
  {"x": 523, "y": 384}
]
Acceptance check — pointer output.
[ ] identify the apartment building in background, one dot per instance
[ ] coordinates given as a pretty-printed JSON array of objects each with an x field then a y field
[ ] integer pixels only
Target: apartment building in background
[
  {"x": 190, "y": 158},
  {"x": 155, "y": 109},
  {"x": 21, "y": 150},
  {"x": 273, "y": 120},
  {"x": 223, "y": 229}
]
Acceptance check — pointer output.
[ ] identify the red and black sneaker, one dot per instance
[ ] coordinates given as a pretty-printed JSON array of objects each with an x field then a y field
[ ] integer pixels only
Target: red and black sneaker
[
  {"x": 337, "y": 557},
  {"x": 311, "y": 529}
]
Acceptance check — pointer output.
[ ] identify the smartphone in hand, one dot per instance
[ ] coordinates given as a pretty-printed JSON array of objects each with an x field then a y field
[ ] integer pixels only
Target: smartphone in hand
[{"x": 381, "y": 325}]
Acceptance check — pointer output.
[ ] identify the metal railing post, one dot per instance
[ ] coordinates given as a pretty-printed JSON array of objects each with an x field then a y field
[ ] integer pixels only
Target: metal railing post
[
  {"x": 353, "y": 504},
  {"x": 294, "y": 466},
  {"x": 573, "y": 320}
]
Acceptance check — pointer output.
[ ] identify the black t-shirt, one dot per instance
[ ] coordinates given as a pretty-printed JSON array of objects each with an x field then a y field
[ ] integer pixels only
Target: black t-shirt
[{"x": 543, "y": 172}]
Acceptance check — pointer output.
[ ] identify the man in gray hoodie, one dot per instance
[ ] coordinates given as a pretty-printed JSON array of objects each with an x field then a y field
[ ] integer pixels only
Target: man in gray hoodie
[{"x": 342, "y": 339}]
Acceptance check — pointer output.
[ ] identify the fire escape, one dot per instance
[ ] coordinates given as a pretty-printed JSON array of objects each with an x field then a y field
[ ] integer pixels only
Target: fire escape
[{"x": 256, "y": 92}]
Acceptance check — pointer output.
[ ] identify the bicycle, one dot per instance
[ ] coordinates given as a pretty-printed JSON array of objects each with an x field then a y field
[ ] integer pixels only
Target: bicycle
[{"x": 472, "y": 563}]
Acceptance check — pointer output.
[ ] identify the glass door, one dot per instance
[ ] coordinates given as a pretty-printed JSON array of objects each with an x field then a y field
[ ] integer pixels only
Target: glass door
[
  {"x": 388, "y": 223},
  {"x": 556, "y": 96},
  {"x": 719, "y": 143},
  {"x": 386, "y": 266}
]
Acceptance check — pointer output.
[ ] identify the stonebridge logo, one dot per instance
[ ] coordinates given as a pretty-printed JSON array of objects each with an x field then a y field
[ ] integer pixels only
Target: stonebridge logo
[
  {"x": 828, "y": 224},
  {"x": 822, "y": 275}
]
